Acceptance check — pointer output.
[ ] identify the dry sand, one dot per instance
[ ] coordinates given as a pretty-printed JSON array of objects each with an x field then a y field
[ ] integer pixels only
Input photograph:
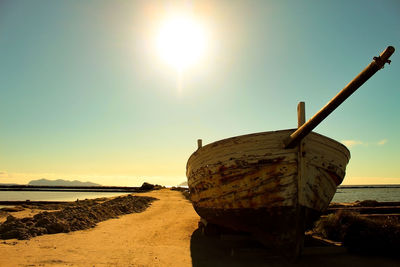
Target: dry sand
[
  {"x": 160, "y": 236},
  {"x": 165, "y": 234}
]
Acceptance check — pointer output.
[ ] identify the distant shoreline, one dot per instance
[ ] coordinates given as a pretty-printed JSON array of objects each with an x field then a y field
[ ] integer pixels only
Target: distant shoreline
[
  {"x": 116, "y": 189},
  {"x": 369, "y": 186},
  {"x": 66, "y": 193},
  {"x": 15, "y": 187},
  {"x": 71, "y": 188}
]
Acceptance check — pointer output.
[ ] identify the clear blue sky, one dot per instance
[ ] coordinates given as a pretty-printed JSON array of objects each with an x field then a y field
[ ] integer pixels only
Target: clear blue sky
[{"x": 84, "y": 96}]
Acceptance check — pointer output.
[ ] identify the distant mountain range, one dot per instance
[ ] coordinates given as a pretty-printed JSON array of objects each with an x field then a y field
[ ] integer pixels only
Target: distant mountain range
[
  {"x": 183, "y": 184},
  {"x": 60, "y": 182}
]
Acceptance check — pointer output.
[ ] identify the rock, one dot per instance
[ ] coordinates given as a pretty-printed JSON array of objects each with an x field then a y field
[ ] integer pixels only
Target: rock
[
  {"x": 368, "y": 203},
  {"x": 12, "y": 209},
  {"x": 10, "y": 219},
  {"x": 147, "y": 186}
]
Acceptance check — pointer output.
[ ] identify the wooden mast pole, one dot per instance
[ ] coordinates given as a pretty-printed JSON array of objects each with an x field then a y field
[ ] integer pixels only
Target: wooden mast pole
[
  {"x": 301, "y": 114},
  {"x": 377, "y": 64}
]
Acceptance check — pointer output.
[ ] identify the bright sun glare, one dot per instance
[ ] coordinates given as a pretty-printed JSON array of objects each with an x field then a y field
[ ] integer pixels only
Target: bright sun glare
[{"x": 181, "y": 41}]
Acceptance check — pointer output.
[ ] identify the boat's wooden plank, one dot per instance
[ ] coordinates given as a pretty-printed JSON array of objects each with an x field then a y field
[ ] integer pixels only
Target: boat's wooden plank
[
  {"x": 317, "y": 190},
  {"x": 323, "y": 241},
  {"x": 234, "y": 166},
  {"x": 368, "y": 210},
  {"x": 220, "y": 174},
  {"x": 270, "y": 141},
  {"x": 253, "y": 174},
  {"x": 249, "y": 152},
  {"x": 248, "y": 191},
  {"x": 336, "y": 148},
  {"x": 324, "y": 170},
  {"x": 372, "y": 203}
]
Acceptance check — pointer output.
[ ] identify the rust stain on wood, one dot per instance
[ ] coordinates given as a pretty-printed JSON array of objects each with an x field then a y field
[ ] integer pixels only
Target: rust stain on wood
[{"x": 254, "y": 172}]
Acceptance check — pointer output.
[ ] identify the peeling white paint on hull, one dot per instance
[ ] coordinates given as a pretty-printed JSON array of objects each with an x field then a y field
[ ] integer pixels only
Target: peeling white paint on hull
[{"x": 254, "y": 173}]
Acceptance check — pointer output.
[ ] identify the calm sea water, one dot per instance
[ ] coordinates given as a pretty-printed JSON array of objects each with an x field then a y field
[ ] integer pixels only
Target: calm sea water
[
  {"x": 343, "y": 194},
  {"x": 53, "y": 196},
  {"x": 367, "y": 192}
]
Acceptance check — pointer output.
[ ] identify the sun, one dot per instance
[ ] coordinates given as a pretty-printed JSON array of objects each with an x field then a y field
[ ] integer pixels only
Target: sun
[{"x": 181, "y": 41}]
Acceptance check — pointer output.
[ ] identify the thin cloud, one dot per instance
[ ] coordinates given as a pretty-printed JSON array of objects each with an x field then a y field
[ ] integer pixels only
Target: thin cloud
[
  {"x": 362, "y": 180},
  {"x": 351, "y": 143},
  {"x": 382, "y": 142}
]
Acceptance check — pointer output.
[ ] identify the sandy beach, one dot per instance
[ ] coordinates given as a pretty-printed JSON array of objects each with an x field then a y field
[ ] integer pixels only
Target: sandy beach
[
  {"x": 165, "y": 234},
  {"x": 160, "y": 236}
]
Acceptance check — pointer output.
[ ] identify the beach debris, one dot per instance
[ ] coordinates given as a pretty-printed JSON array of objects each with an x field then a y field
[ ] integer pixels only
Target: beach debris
[
  {"x": 361, "y": 234},
  {"x": 146, "y": 187},
  {"x": 12, "y": 209},
  {"x": 79, "y": 216},
  {"x": 183, "y": 190}
]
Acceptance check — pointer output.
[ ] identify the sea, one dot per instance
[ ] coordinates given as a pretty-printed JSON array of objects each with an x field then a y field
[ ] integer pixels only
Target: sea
[
  {"x": 381, "y": 193},
  {"x": 345, "y": 193},
  {"x": 53, "y": 196}
]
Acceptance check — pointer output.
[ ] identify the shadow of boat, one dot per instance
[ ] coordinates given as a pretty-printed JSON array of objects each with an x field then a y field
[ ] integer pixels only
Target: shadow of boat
[{"x": 241, "y": 250}]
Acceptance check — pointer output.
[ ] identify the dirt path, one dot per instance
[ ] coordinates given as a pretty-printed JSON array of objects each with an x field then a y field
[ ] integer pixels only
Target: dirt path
[{"x": 160, "y": 236}]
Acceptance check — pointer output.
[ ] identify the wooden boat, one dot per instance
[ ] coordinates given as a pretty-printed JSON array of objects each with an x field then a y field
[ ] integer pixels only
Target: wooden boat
[{"x": 273, "y": 184}]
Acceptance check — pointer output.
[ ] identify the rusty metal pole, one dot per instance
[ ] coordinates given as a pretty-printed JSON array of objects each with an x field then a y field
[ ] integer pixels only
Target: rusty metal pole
[{"x": 349, "y": 89}]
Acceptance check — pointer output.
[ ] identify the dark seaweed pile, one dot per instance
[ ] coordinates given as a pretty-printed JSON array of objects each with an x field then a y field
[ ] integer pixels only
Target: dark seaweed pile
[
  {"x": 361, "y": 234},
  {"x": 74, "y": 216},
  {"x": 183, "y": 190}
]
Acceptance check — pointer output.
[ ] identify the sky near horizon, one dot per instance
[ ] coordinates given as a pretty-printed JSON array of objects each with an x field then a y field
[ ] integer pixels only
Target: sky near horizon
[{"x": 84, "y": 93}]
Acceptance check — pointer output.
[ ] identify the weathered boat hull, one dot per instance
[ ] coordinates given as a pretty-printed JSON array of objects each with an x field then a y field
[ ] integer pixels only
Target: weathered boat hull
[{"x": 252, "y": 183}]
